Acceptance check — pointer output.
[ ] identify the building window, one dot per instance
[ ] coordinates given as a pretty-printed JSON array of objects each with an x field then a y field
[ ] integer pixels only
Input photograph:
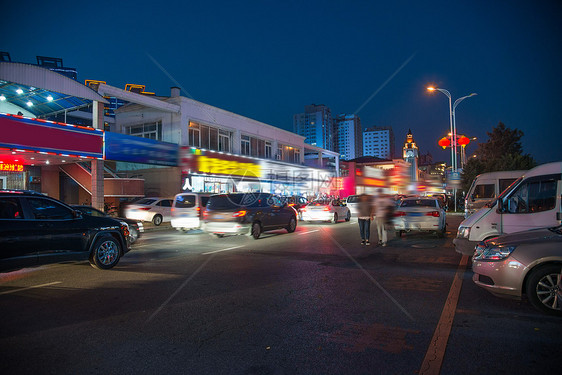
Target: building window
[
  {"x": 152, "y": 130},
  {"x": 224, "y": 140},
  {"x": 268, "y": 149},
  {"x": 194, "y": 138},
  {"x": 245, "y": 145}
]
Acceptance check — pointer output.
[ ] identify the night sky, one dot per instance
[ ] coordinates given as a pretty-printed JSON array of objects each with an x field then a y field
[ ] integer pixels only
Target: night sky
[{"x": 268, "y": 59}]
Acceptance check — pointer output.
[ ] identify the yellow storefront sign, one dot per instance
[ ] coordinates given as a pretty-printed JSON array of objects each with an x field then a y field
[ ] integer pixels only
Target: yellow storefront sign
[{"x": 227, "y": 167}]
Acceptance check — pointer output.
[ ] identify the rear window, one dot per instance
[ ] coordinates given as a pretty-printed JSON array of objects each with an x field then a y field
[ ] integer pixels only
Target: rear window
[
  {"x": 418, "y": 203},
  {"x": 232, "y": 201},
  {"x": 185, "y": 201},
  {"x": 353, "y": 199}
]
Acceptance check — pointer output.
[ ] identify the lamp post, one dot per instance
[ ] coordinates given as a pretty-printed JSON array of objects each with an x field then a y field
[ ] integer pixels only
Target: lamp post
[{"x": 453, "y": 129}]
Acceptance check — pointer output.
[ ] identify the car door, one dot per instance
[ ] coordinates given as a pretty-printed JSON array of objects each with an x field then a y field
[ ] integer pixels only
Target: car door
[
  {"x": 164, "y": 208},
  {"x": 19, "y": 241},
  {"x": 59, "y": 228}
]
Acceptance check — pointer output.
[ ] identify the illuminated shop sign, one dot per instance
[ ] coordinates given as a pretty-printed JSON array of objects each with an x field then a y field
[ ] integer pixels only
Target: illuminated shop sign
[
  {"x": 207, "y": 164},
  {"x": 216, "y": 163},
  {"x": 9, "y": 167}
]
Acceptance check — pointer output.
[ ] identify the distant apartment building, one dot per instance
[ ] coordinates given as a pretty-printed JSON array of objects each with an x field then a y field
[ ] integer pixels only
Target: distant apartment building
[
  {"x": 316, "y": 125},
  {"x": 379, "y": 142},
  {"x": 348, "y": 136}
]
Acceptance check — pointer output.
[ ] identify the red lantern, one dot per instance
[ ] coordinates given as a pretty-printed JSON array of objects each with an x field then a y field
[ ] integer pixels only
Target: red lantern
[
  {"x": 463, "y": 141},
  {"x": 444, "y": 142}
]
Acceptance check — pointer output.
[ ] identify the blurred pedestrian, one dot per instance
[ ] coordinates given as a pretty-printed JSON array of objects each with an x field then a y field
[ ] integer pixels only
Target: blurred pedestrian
[
  {"x": 383, "y": 208},
  {"x": 365, "y": 214}
]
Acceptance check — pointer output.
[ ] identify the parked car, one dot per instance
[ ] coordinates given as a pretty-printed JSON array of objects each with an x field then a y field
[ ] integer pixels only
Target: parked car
[
  {"x": 36, "y": 229},
  {"x": 154, "y": 209},
  {"x": 523, "y": 263},
  {"x": 332, "y": 210},
  {"x": 533, "y": 201},
  {"x": 187, "y": 210},
  {"x": 247, "y": 213},
  {"x": 420, "y": 214},
  {"x": 135, "y": 227}
]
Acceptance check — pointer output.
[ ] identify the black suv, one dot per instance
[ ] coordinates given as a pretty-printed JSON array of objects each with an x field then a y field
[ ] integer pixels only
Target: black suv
[
  {"x": 247, "y": 213},
  {"x": 37, "y": 229}
]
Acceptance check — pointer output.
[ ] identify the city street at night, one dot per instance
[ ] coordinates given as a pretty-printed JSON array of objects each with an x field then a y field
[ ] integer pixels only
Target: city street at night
[{"x": 314, "y": 301}]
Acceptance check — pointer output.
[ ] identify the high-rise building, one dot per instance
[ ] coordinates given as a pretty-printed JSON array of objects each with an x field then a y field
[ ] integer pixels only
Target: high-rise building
[
  {"x": 317, "y": 125},
  {"x": 348, "y": 136},
  {"x": 379, "y": 141}
]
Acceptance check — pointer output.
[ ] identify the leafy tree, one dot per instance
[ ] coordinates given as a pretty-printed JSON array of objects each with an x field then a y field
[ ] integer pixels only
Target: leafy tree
[{"x": 502, "y": 152}]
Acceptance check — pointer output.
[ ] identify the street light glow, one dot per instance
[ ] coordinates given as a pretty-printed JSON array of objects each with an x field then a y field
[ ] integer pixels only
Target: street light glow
[{"x": 431, "y": 88}]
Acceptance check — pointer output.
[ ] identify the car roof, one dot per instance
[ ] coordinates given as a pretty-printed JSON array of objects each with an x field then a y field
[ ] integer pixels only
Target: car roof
[{"x": 22, "y": 192}]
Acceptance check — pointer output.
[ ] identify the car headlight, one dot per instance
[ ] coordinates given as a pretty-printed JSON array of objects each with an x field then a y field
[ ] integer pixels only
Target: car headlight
[
  {"x": 492, "y": 253},
  {"x": 463, "y": 232}
]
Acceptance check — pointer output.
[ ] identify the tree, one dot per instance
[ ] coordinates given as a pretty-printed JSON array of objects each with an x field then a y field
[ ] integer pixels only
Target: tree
[{"x": 502, "y": 152}]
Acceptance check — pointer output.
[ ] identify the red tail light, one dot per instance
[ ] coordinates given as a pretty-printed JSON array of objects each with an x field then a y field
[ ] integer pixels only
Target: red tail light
[
  {"x": 326, "y": 208},
  {"x": 303, "y": 209},
  {"x": 432, "y": 213},
  {"x": 205, "y": 214},
  {"x": 239, "y": 213},
  {"x": 173, "y": 209},
  {"x": 399, "y": 213},
  {"x": 144, "y": 208}
]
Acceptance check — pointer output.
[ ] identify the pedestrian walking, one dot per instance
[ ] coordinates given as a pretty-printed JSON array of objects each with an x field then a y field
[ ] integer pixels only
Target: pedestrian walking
[
  {"x": 365, "y": 212},
  {"x": 383, "y": 207}
]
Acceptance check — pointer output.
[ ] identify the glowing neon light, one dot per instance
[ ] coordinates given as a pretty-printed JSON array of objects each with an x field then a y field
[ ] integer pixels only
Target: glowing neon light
[{"x": 9, "y": 167}]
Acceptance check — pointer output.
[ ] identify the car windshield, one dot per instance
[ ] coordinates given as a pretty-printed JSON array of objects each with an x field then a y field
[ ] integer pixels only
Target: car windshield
[
  {"x": 418, "y": 203},
  {"x": 492, "y": 203}
]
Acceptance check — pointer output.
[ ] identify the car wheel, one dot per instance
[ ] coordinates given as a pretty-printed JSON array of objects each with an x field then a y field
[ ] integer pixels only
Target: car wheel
[
  {"x": 292, "y": 225},
  {"x": 157, "y": 220},
  {"x": 348, "y": 217},
  {"x": 335, "y": 218},
  {"x": 543, "y": 289},
  {"x": 441, "y": 232},
  {"x": 106, "y": 253},
  {"x": 219, "y": 235},
  {"x": 256, "y": 230},
  {"x": 133, "y": 234}
]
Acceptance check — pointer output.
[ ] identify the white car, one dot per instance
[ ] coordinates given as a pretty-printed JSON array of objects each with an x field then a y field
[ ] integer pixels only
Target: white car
[
  {"x": 419, "y": 214},
  {"x": 153, "y": 209},
  {"x": 325, "y": 210}
]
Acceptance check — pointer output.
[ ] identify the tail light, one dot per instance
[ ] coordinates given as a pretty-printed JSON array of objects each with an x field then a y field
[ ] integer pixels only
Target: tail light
[
  {"x": 240, "y": 213},
  {"x": 399, "y": 213},
  {"x": 326, "y": 208},
  {"x": 432, "y": 213},
  {"x": 173, "y": 209},
  {"x": 205, "y": 214},
  {"x": 303, "y": 209},
  {"x": 144, "y": 208}
]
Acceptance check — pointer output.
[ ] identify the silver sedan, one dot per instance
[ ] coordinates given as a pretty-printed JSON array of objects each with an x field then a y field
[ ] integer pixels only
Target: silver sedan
[{"x": 419, "y": 214}]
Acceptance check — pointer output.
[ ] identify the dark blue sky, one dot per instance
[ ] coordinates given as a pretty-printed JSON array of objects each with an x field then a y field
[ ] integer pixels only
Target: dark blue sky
[{"x": 268, "y": 59}]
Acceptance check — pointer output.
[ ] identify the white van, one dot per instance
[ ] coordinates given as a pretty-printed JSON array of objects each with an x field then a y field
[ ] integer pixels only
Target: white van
[
  {"x": 487, "y": 186},
  {"x": 533, "y": 201},
  {"x": 187, "y": 210}
]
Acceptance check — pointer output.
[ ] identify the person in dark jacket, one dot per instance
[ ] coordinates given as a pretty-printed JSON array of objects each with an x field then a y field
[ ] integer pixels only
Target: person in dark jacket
[{"x": 365, "y": 215}]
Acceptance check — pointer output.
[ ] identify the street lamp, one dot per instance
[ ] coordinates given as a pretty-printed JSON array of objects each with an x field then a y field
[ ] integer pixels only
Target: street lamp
[
  {"x": 452, "y": 122},
  {"x": 453, "y": 128}
]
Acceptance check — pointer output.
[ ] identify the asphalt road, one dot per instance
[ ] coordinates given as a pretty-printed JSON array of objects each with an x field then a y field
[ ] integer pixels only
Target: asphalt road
[{"x": 312, "y": 302}]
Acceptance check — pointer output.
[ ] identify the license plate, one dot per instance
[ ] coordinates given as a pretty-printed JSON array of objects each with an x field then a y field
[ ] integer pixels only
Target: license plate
[{"x": 415, "y": 214}]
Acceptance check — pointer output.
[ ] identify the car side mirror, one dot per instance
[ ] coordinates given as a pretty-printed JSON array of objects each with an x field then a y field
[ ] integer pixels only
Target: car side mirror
[{"x": 77, "y": 214}]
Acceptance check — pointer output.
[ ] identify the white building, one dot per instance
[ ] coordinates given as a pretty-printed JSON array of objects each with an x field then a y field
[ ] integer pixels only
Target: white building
[
  {"x": 379, "y": 142},
  {"x": 227, "y": 141},
  {"x": 349, "y": 137}
]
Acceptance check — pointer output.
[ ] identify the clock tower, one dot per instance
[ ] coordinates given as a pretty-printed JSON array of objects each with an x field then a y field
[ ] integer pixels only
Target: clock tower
[{"x": 411, "y": 154}]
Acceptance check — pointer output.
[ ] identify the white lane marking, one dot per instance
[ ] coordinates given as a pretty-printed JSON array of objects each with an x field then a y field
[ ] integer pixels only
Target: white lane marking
[
  {"x": 221, "y": 250},
  {"x": 30, "y": 287},
  {"x": 310, "y": 231}
]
